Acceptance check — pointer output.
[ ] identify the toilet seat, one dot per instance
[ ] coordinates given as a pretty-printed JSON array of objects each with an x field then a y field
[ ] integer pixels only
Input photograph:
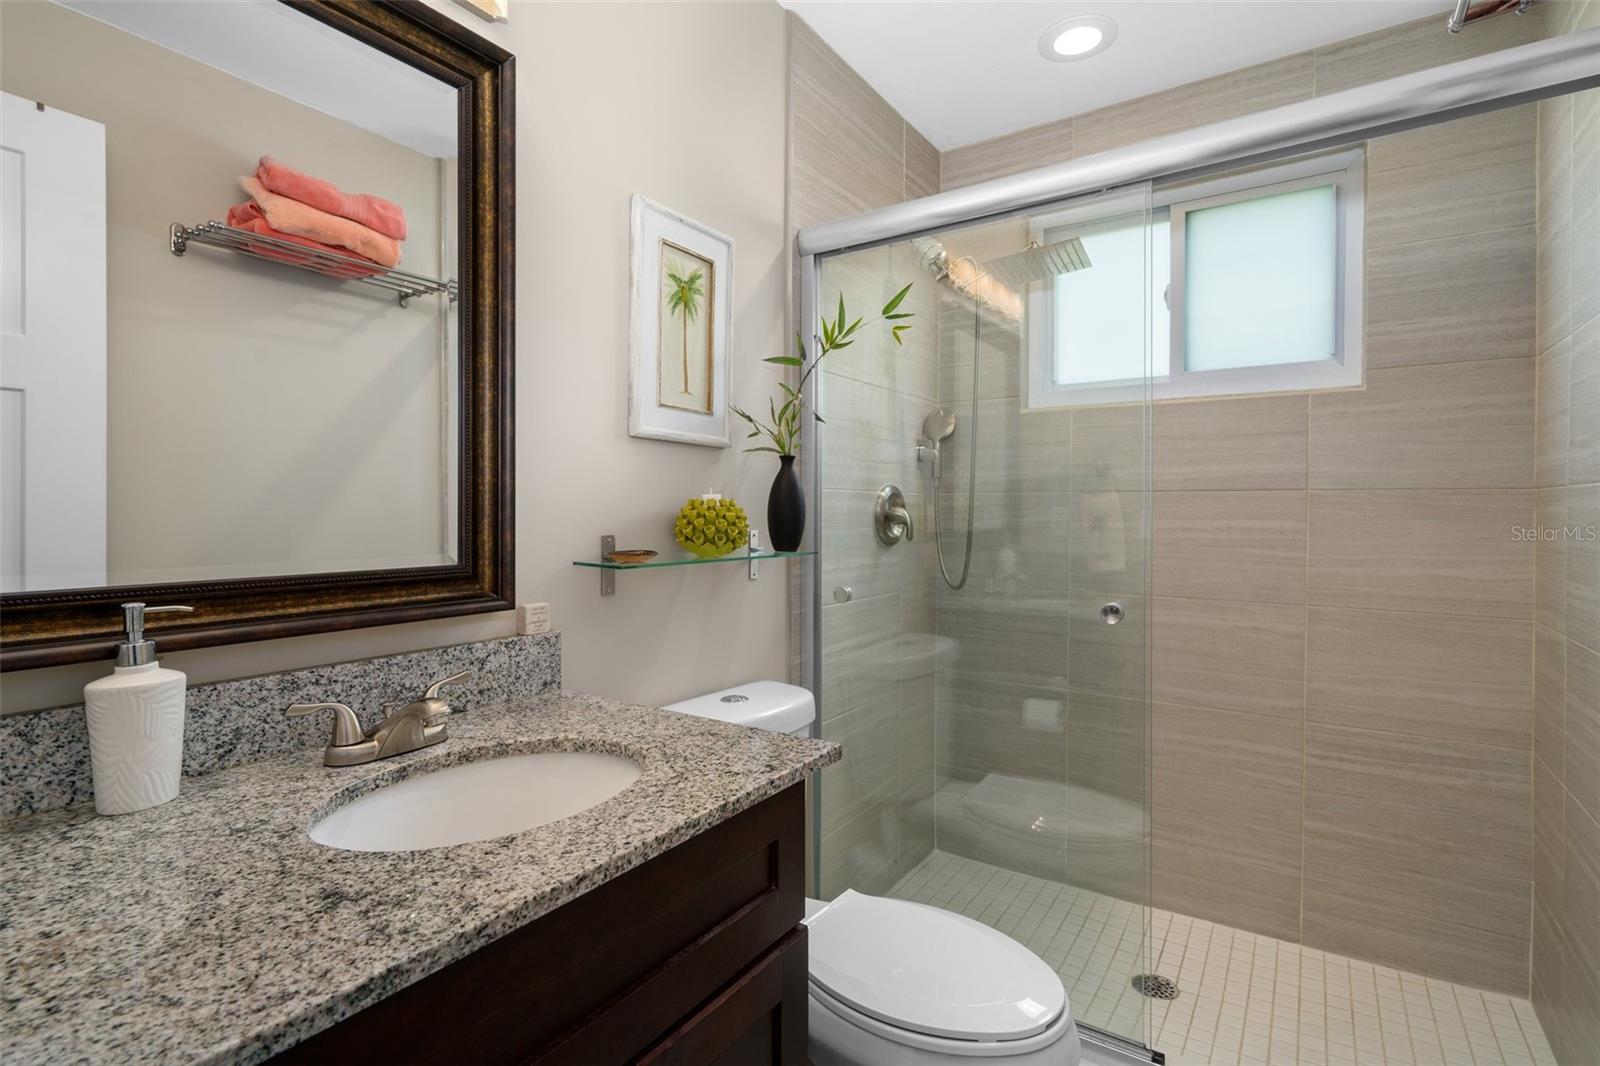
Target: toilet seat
[
  {"x": 921, "y": 975},
  {"x": 1061, "y": 1031}
]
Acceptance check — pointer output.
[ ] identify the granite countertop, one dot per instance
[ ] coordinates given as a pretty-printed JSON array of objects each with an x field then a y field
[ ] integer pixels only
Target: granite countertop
[{"x": 211, "y": 929}]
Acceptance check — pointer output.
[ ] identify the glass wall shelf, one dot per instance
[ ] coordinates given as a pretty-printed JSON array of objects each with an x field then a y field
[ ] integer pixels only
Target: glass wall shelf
[
  {"x": 692, "y": 560},
  {"x": 608, "y": 569}
]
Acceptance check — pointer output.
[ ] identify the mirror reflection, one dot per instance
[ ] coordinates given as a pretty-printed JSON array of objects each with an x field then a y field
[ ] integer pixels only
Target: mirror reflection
[{"x": 283, "y": 396}]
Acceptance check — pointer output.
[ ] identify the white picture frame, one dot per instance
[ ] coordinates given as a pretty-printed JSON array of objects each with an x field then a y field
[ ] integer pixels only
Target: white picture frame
[
  {"x": 665, "y": 344},
  {"x": 492, "y": 10}
]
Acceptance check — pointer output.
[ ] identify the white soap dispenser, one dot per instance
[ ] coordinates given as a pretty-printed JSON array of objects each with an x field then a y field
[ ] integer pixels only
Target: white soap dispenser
[{"x": 136, "y": 723}]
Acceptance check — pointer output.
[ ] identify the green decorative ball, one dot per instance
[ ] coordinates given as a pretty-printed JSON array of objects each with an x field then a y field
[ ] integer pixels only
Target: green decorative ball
[{"x": 709, "y": 528}]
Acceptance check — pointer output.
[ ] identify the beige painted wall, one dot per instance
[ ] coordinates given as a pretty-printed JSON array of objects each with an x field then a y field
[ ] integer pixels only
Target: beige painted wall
[
  {"x": 1341, "y": 646},
  {"x": 1566, "y": 642},
  {"x": 602, "y": 115},
  {"x": 260, "y": 420}
]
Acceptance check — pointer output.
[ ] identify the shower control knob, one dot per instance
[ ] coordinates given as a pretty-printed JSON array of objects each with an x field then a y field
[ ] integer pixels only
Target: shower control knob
[
  {"x": 842, "y": 593},
  {"x": 1111, "y": 613}
]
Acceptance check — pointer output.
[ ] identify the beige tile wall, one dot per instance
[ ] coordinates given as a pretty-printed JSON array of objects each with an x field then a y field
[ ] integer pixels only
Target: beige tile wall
[
  {"x": 1033, "y": 687},
  {"x": 850, "y": 151},
  {"x": 1566, "y": 645},
  {"x": 1342, "y": 644}
]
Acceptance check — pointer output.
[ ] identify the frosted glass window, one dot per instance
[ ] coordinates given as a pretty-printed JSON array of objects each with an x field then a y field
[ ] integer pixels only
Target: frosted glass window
[
  {"x": 1243, "y": 284},
  {"x": 1099, "y": 313},
  {"x": 1260, "y": 281}
]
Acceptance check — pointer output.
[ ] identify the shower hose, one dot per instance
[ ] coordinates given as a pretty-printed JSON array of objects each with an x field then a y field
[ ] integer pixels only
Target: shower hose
[{"x": 972, "y": 471}]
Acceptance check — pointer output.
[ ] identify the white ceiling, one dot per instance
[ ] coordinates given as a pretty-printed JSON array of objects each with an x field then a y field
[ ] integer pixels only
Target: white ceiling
[
  {"x": 284, "y": 51},
  {"x": 965, "y": 70}
]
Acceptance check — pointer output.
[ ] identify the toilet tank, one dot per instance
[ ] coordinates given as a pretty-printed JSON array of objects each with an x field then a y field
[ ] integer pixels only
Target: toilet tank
[{"x": 763, "y": 704}]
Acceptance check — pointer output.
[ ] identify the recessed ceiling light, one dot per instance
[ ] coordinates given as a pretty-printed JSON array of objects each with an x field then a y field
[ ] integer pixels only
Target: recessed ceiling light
[{"x": 1078, "y": 37}]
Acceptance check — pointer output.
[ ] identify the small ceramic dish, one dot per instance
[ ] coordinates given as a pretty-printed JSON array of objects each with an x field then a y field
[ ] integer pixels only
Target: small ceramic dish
[{"x": 630, "y": 556}]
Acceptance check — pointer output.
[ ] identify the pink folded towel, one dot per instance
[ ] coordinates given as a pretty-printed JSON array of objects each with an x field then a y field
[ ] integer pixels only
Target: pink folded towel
[
  {"x": 374, "y": 212},
  {"x": 248, "y": 217},
  {"x": 292, "y": 216}
]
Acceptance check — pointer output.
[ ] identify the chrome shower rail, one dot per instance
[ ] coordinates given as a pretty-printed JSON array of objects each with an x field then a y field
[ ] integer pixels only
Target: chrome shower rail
[
  {"x": 1466, "y": 11},
  {"x": 288, "y": 253},
  {"x": 1500, "y": 79}
]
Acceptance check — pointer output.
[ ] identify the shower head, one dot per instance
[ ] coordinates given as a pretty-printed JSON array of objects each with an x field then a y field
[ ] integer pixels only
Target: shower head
[
  {"x": 938, "y": 426},
  {"x": 1016, "y": 271},
  {"x": 930, "y": 250},
  {"x": 1038, "y": 262}
]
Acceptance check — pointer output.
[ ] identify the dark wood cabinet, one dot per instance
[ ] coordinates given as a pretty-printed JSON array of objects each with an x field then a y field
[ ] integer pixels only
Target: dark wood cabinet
[{"x": 698, "y": 956}]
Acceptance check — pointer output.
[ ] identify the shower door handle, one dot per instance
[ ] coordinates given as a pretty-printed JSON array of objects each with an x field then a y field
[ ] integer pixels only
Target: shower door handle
[{"x": 1112, "y": 613}]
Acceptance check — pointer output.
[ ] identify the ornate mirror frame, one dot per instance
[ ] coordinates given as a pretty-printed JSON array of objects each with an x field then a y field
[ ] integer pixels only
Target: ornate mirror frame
[{"x": 53, "y": 627}]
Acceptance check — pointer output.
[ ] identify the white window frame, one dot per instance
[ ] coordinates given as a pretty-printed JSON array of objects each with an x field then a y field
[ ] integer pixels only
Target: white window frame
[{"x": 1345, "y": 171}]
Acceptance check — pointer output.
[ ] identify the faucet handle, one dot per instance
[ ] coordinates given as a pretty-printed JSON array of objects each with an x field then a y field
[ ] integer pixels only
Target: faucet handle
[
  {"x": 459, "y": 678},
  {"x": 346, "y": 726}
]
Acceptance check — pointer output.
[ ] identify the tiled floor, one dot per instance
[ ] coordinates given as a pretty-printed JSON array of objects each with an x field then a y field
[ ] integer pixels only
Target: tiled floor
[{"x": 1243, "y": 998}]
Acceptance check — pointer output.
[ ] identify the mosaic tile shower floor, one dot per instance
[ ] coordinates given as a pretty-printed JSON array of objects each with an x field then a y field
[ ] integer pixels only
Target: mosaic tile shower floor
[{"x": 1243, "y": 998}]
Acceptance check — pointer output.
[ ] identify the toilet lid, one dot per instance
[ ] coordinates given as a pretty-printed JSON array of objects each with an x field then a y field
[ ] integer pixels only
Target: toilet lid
[{"x": 931, "y": 971}]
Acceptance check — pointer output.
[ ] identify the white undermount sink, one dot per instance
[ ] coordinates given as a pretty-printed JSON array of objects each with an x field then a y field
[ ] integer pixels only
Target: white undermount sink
[{"x": 475, "y": 801}]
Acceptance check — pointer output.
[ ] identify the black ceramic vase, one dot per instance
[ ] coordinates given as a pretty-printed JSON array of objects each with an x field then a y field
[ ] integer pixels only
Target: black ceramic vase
[{"x": 786, "y": 507}]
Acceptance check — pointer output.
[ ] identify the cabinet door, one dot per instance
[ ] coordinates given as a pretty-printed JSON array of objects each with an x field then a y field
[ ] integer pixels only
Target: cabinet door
[{"x": 760, "y": 1017}]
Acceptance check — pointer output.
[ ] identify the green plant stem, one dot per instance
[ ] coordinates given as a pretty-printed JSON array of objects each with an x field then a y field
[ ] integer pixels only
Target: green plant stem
[{"x": 783, "y": 428}]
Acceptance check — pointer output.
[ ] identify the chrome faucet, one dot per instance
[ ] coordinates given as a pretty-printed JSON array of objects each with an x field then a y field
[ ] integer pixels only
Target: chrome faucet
[{"x": 419, "y": 724}]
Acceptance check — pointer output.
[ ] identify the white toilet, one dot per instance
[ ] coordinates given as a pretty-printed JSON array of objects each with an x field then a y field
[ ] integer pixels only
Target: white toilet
[{"x": 895, "y": 983}]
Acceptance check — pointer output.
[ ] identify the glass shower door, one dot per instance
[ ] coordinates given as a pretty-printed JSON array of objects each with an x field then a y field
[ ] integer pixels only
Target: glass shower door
[{"x": 987, "y": 674}]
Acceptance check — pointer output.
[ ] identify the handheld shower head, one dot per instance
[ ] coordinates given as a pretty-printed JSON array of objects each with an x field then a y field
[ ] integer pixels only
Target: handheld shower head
[
  {"x": 936, "y": 429},
  {"x": 938, "y": 426}
]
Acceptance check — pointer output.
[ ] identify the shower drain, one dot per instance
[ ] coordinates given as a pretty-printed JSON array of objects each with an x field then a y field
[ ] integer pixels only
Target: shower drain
[{"x": 1155, "y": 986}]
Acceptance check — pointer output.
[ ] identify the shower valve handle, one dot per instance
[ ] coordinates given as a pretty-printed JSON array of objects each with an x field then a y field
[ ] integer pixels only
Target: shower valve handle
[{"x": 890, "y": 517}]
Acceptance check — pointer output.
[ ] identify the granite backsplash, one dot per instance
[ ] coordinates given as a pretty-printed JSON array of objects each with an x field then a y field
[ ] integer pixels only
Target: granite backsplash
[{"x": 44, "y": 756}]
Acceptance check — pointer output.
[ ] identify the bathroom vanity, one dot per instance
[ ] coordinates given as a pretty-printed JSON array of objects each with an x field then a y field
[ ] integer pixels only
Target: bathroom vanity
[
  {"x": 697, "y": 957},
  {"x": 662, "y": 924}
]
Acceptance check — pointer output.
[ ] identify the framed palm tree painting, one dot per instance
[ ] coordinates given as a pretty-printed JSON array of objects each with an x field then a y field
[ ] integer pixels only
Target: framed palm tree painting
[{"x": 682, "y": 298}]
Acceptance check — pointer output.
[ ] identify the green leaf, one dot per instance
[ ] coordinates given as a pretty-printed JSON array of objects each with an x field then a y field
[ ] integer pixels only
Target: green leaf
[
  {"x": 889, "y": 307},
  {"x": 774, "y": 451},
  {"x": 819, "y": 418},
  {"x": 901, "y": 314},
  {"x": 840, "y": 327},
  {"x": 784, "y": 360}
]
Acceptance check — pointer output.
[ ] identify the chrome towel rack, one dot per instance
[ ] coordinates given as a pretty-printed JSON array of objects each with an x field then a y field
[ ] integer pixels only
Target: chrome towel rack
[{"x": 287, "y": 253}]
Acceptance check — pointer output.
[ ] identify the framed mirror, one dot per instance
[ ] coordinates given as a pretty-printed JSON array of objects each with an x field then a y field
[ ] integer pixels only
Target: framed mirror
[{"x": 255, "y": 326}]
